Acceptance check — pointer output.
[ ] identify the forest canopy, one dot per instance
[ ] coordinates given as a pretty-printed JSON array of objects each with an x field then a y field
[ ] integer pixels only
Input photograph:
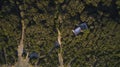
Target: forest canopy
[{"x": 99, "y": 46}]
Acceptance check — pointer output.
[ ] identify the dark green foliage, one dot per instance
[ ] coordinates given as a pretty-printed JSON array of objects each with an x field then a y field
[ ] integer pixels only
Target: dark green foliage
[
  {"x": 98, "y": 46},
  {"x": 9, "y": 38}
]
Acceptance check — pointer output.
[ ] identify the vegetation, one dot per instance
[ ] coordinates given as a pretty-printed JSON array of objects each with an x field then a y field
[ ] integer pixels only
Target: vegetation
[{"x": 36, "y": 24}]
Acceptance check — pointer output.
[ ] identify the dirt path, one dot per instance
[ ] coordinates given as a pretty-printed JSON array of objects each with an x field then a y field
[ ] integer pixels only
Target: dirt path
[
  {"x": 21, "y": 61},
  {"x": 60, "y": 57},
  {"x": 20, "y": 46}
]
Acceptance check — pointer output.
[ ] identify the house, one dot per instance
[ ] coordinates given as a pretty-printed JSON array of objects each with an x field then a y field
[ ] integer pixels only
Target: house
[
  {"x": 80, "y": 28},
  {"x": 77, "y": 31},
  {"x": 83, "y": 26}
]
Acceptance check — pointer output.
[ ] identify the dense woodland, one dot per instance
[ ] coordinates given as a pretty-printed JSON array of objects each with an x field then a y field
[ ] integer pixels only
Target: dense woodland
[{"x": 99, "y": 46}]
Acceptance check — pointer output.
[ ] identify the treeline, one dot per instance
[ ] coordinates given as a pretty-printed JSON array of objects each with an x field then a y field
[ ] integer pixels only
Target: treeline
[{"x": 96, "y": 47}]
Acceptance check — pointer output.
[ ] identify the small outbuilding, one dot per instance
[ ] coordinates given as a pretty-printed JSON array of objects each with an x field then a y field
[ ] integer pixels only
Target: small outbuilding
[
  {"x": 33, "y": 55},
  {"x": 57, "y": 45}
]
